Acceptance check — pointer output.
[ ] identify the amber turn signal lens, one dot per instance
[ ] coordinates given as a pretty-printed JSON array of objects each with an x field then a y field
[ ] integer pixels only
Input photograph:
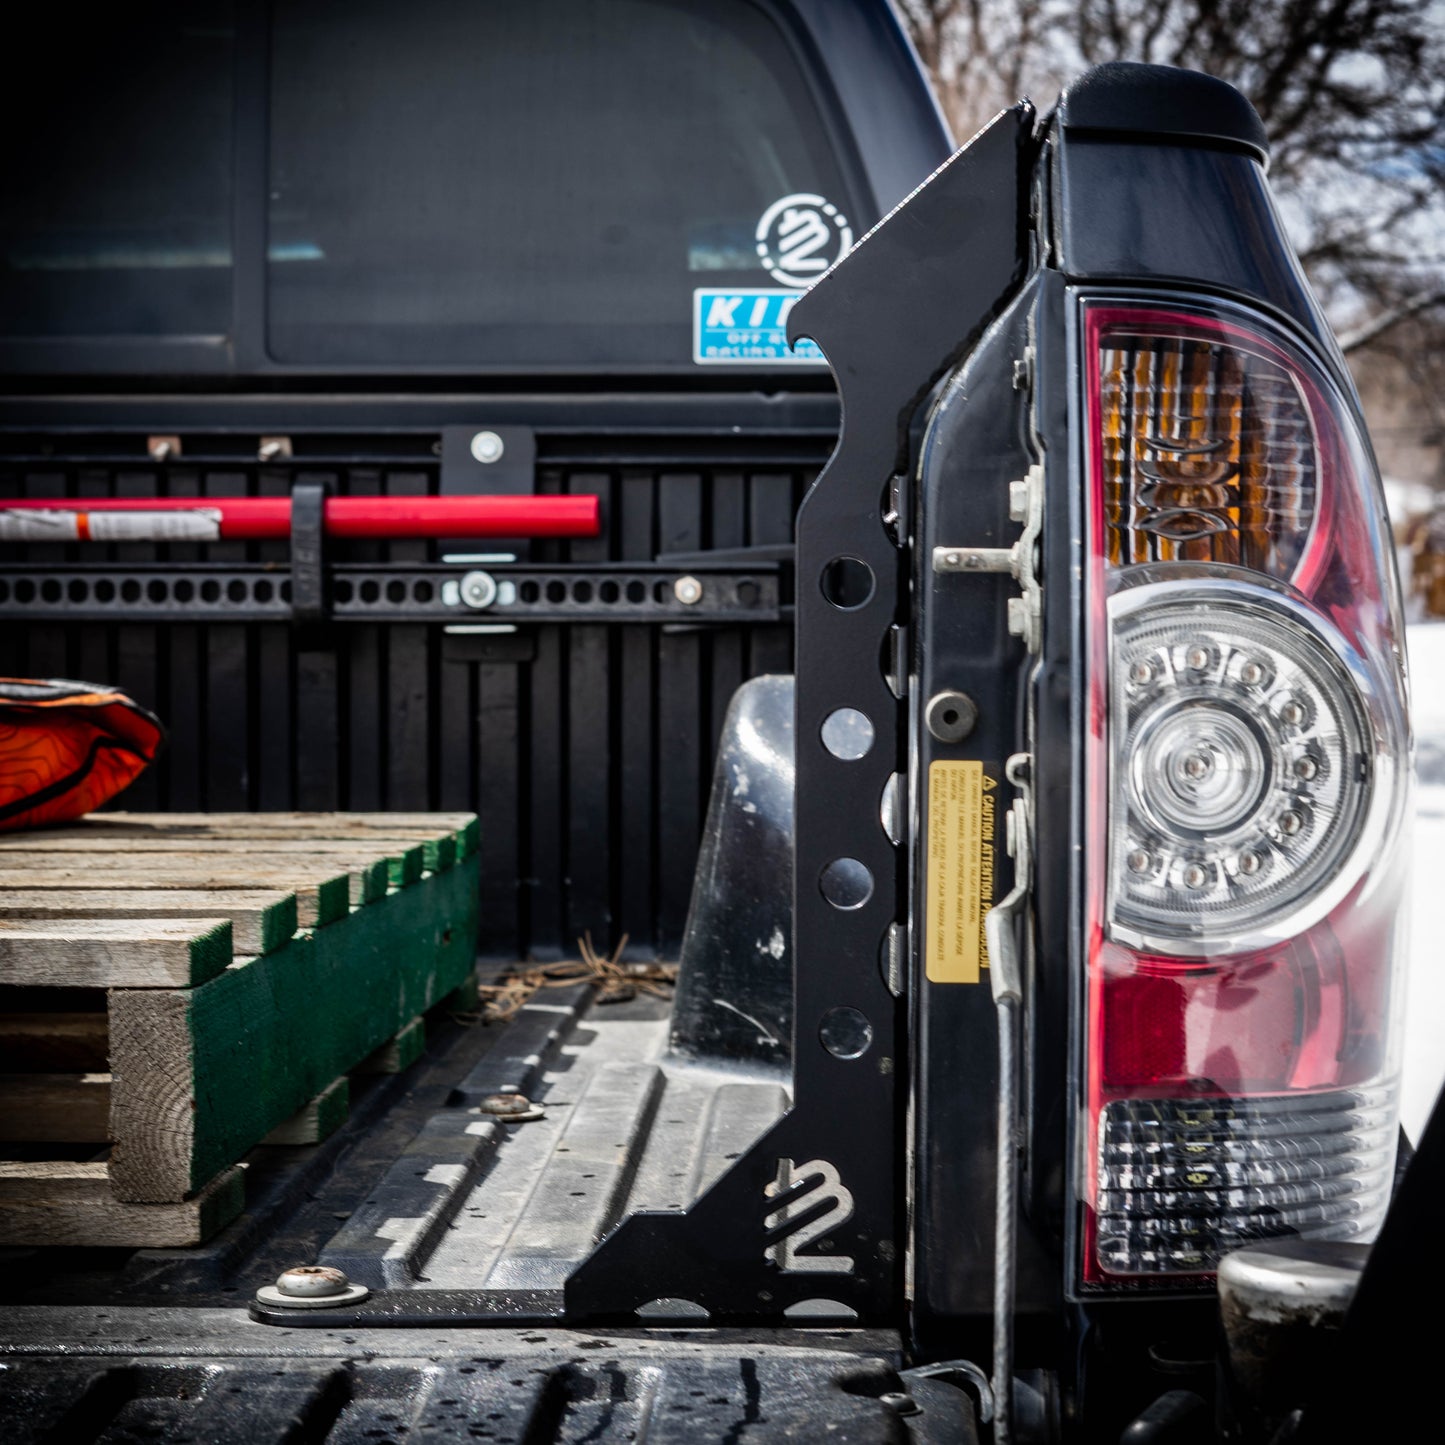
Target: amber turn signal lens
[{"x": 1208, "y": 454}]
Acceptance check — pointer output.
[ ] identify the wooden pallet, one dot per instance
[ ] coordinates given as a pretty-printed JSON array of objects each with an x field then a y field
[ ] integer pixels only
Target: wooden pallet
[{"x": 163, "y": 990}]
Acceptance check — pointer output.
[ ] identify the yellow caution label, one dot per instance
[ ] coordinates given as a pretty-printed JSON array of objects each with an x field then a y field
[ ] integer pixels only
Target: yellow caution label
[{"x": 962, "y": 812}]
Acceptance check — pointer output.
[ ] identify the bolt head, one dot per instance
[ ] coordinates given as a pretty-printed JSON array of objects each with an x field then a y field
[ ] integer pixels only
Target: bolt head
[
  {"x": 478, "y": 589},
  {"x": 899, "y": 1402},
  {"x": 503, "y": 1104},
  {"x": 311, "y": 1281},
  {"x": 487, "y": 447},
  {"x": 688, "y": 591}
]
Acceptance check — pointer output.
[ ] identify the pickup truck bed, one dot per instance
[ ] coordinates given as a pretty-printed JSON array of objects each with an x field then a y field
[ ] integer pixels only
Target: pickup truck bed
[{"x": 460, "y": 1220}]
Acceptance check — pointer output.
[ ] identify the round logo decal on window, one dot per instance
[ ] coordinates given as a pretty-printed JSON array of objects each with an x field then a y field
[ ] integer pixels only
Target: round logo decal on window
[{"x": 799, "y": 237}]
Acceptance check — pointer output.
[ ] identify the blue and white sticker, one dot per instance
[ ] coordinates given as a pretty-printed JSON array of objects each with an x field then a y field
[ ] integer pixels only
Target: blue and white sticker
[{"x": 747, "y": 327}]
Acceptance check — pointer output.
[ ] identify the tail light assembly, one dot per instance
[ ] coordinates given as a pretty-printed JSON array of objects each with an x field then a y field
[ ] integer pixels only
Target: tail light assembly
[{"x": 1246, "y": 761}]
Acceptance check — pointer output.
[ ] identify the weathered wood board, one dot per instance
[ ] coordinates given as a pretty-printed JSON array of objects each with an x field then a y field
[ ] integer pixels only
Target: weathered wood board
[
  {"x": 55, "y": 1108},
  {"x": 367, "y": 876},
  {"x": 261, "y": 920},
  {"x": 200, "y": 1075},
  {"x": 403, "y": 862},
  {"x": 113, "y": 952},
  {"x": 316, "y": 1119},
  {"x": 61, "y": 1203}
]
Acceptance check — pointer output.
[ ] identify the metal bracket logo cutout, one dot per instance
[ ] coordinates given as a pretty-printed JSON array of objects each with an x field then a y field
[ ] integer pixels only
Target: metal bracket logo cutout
[{"x": 829, "y": 1189}]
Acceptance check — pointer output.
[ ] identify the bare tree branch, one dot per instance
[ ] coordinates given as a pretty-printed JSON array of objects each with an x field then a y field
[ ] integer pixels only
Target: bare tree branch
[{"x": 1385, "y": 321}]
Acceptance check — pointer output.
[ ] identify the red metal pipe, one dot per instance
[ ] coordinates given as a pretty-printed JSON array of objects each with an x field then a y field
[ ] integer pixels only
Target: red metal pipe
[{"x": 381, "y": 518}]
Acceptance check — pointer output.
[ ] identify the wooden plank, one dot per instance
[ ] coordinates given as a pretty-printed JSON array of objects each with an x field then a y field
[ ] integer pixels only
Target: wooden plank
[
  {"x": 440, "y": 847},
  {"x": 55, "y": 1108},
  {"x": 455, "y": 822},
  {"x": 400, "y": 861},
  {"x": 260, "y": 921},
  {"x": 114, "y": 952},
  {"x": 368, "y": 877},
  {"x": 61, "y": 1203},
  {"x": 47, "y": 1042},
  {"x": 202, "y": 1074},
  {"x": 398, "y": 1053},
  {"x": 321, "y": 896},
  {"x": 76, "y": 840},
  {"x": 316, "y": 1119}
]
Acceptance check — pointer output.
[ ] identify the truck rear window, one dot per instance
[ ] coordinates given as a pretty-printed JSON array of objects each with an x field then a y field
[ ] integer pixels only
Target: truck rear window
[
  {"x": 516, "y": 183},
  {"x": 116, "y": 148}
]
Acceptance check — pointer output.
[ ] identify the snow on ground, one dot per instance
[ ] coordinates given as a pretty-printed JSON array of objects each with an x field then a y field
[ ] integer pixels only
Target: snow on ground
[{"x": 1424, "y": 1069}]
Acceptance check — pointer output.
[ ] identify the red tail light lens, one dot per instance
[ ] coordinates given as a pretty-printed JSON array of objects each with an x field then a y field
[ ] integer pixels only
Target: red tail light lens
[{"x": 1246, "y": 791}]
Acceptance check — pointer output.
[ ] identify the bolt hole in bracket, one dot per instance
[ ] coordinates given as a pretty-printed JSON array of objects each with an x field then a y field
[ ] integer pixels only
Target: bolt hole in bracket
[{"x": 815, "y": 1208}]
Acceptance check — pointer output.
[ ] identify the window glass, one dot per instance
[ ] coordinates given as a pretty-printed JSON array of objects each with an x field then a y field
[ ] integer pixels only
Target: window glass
[
  {"x": 116, "y": 152},
  {"x": 525, "y": 182}
]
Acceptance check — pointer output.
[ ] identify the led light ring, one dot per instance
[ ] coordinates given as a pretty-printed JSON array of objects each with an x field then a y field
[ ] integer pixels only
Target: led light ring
[{"x": 1222, "y": 592}]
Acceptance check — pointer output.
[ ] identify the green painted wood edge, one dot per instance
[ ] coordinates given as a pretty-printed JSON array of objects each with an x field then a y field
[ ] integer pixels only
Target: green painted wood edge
[
  {"x": 469, "y": 837},
  {"x": 331, "y": 1107},
  {"x": 467, "y": 997},
  {"x": 333, "y": 900},
  {"x": 209, "y": 954},
  {"x": 222, "y": 1205},
  {"x": 399, "y": 1053},
  {"x": 278, "y": 923},
  {"x": 406, "y": 866},
  {"x": 375, "y": 880},
  {"x": 441, "y": 852},
  {"x": 269, "y": 1036}
]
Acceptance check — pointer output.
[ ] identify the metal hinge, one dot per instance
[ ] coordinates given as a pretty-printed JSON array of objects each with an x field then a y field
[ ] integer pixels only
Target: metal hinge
[{"x": 1026, "y": 505}]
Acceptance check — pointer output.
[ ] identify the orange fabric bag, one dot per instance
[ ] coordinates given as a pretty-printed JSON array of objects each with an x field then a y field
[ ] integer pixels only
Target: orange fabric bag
[{"x": 67, "y": 747}]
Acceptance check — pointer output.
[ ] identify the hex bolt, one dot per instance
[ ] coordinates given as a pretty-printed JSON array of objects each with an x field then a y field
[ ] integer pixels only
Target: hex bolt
[
  {"x": 688, "y": 591},
  {"x": 487, "y": 447},
  {"x": 311, "y": 1287},
  {"x": 505, "y": 1104},
  {"x": 511, "y": 1108},
  {"x": 899, "y": 1402},
  {"x": 951, "y": 716},
  {"x": 310, "y": 1281},
  {"x": 478, "y": 590}
]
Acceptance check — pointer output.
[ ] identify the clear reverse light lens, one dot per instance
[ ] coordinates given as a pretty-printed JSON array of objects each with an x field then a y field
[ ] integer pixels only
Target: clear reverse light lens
[{"x": 1183, "y": 1181}]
